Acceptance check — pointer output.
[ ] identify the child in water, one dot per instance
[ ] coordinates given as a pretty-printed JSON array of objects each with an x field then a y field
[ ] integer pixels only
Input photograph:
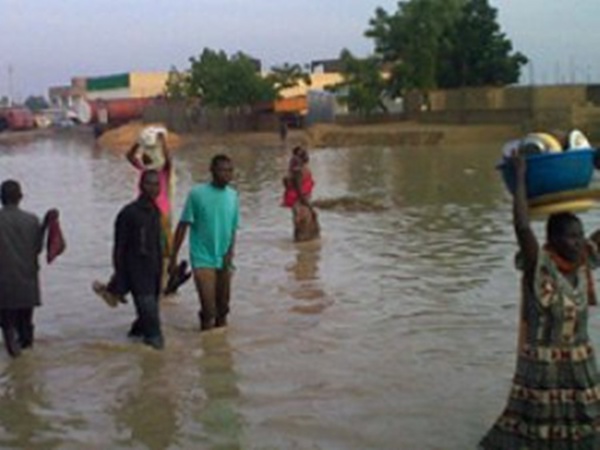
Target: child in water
[{"x": 554, "y": 402}]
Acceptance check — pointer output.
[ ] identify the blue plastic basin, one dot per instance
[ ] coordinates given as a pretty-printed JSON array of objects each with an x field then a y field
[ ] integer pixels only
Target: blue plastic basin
[{"x": 548, "y": 173}]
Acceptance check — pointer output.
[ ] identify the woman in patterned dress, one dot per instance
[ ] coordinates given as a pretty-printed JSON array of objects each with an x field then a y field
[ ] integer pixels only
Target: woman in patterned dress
[{"x": 554, "y": 401}]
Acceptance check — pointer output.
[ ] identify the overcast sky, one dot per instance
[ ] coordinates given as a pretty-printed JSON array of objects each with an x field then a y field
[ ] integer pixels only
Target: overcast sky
[{"x": 46, "y": 42}]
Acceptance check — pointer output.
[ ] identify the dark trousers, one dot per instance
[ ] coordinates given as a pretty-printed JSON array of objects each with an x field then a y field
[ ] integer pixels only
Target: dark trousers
[
  {"x": 147, "y": 322},
  {"x": 17, "y": 329}
]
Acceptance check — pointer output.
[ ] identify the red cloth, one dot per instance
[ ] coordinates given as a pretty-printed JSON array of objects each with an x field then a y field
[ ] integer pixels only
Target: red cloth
[
  {"x": 290, "y": 196},
  {"x": 55, "y": 244}
]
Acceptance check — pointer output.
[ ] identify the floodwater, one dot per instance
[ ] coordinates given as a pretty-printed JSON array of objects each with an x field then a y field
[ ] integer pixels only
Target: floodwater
[{"x": 395, "y": 331}]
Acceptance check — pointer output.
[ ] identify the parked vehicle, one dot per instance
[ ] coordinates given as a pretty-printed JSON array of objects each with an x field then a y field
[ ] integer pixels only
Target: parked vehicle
[
  {"x": 117, "y": 111},
  {"x": 16, "y": 118},
  {"x": 56, "y": 117}
]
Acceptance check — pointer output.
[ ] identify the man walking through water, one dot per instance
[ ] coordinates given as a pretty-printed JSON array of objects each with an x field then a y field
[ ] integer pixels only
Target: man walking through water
[
  {"x": 137, "y": 261},
  {"x": 211, "y": 212},
  {"x": 21, "y": 240}
]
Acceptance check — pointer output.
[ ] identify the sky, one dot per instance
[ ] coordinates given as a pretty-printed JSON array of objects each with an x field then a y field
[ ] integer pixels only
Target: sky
[{"x": 45, "y": 43}]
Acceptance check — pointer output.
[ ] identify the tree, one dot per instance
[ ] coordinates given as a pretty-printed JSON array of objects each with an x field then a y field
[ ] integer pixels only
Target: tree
[
  {"x": 410, "y": 39},
  {"x": 177, "y": 86},
  {"x": 288, "y": 76},
  {"x": 479, "y": 53},
  {"x": 36, "y": 103},
  {"x": 443, "y": 43},
  {"x": 363, "y": 85},
  {"x": 224, "y": 82}
]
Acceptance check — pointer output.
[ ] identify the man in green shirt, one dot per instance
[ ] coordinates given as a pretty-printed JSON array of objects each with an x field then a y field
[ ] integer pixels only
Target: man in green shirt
[{"x": 211, "y": 213}]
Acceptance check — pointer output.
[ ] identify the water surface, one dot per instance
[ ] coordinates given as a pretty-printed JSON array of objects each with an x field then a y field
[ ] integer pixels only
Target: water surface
[{"x": 395, "y": 331}]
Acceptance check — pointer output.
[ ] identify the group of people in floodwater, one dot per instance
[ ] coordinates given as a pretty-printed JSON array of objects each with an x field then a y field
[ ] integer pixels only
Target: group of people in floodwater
[
  {"x": 145, "y": 256},
  {"x": 210, "y": 215},
  {"x": 554, "y": 401}
]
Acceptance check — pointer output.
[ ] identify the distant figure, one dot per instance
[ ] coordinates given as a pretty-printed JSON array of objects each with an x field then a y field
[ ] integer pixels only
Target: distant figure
[
  {"x": 283, "y": 129},
  {"x": 101, "y": 118},
  {"x": 21, "y": 241},
  {"x": 554, "y": 401},
  {"x": 151, "y": 152},
  {"x": 211, "y": 213},
  {"x": 137, "y": 262},
  {"x": 298, "y": 184},
  {"x": 102, "y": 113}
]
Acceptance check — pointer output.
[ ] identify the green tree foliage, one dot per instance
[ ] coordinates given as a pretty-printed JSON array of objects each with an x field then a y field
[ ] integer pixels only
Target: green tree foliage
[
  {"x": 222, "y": 81},
  {"x": 363, "y": 85},
  {"x": 479, "y": 54},
  {"x": 36, "y": 103},
  {"x": 288, "y": 76},
  {"x": 411, "y": 40},
  {"x": 443, "y": 43},
  {"x": 177, "y": 86}
]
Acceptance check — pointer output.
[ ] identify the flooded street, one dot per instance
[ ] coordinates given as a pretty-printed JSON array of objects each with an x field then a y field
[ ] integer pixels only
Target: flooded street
[{"x": 396, "y": 330}]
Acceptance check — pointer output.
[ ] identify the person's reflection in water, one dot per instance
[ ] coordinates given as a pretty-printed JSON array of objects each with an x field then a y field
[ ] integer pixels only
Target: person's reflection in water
[
  {"x": 219, "y": 416},
  {"x": 23, "y": 423},
  {"x": 307, "y": 261},
  {"x": 149, "y": 412},
  {"x": 306, "y": 285}
]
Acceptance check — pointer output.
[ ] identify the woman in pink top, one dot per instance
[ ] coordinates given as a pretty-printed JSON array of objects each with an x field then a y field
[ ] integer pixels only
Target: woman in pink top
[
  {"x": 298, "y": 184},
  {"x": 161, "y": 162}
]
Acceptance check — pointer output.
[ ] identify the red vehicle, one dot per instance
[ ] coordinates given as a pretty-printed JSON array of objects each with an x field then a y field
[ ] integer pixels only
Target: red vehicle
[
  {"x": 16, "y": 118},
  {"x": 117, "y": 111}
]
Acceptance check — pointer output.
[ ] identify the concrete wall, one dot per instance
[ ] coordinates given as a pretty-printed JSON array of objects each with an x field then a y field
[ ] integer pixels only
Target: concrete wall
[
  {"x": 183, "y": 118},
  {"x": 470, "y": 98},
  {"x": 476, "y": 117},
  {"x": 517, "y": 97},
  {"x": 559, "y": 96},
  {"x": 593, "y": 94},
  {"x": 538, "y": 107},
  {"x": 587, "y": 119},
  {"x": 545, "y": 108},
  {"x": 176, "y": 116},
  {"x": 354, "y": 119}
]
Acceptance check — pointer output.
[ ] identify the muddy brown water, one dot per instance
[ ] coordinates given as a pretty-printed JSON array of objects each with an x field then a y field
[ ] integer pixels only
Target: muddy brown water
[{"x": 395, "y": 331}]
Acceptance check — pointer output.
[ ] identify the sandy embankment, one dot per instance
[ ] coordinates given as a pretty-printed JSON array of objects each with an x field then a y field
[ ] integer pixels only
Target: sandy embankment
[
  {"x": 393, "y": 134},
  {"x": 409, "y": 134},
  {"x": 120, "y": 139}
]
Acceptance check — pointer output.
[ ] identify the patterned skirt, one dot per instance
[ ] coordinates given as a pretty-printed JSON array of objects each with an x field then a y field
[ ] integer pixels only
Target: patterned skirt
[{"x": 554, "y": 402}]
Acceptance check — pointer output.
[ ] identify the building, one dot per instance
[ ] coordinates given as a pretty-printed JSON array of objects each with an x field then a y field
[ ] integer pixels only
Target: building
[
  {"x": 123, "y": 85},
  {"x": 124, "y": 94},
  {"x": 126, "y": 85}
]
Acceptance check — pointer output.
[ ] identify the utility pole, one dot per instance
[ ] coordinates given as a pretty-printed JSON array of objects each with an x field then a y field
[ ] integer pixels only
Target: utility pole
[
  {"x": 531, "y": 74},
  {"x": 10, "y": 85},
  {"x": 588, "y": 78}
]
